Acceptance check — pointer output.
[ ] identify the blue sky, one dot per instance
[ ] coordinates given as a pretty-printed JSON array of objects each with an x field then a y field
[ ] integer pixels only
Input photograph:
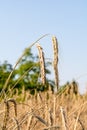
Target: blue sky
[{"x": 24, "y": 21}]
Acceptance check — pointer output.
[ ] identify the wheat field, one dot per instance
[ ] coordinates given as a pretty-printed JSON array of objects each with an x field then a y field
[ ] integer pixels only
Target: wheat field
[
  {"x": 44, "y": 111},
  {"x": 63, "y": 109}
]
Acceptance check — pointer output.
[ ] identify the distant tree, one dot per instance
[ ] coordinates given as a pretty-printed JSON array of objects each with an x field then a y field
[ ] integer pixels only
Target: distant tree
[{"x": 5, "y": 69}]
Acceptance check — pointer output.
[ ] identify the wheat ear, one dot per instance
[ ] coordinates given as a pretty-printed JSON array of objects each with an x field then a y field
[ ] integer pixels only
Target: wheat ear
[
  {"x": 55, "y": 61},
  {"x": 42, "y": 64}
]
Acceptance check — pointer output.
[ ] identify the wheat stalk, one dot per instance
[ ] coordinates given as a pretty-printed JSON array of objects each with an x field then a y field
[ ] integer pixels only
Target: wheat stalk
[
  {"x": 40, "y": 119},
  {"x": 15, "y": 105},
  {"x": 50, "y": 118},
  {"x": 42, "y": 64},
  {"x": 6, "y": 117},
  {"x": 7, "y": 109},
  {"x": 80, "y": 122},
  {"x": 64, "y": 119},
  {"x": 54, "y": 109},
  {"x": 55, "y": 61},
  {"x": 29, "y": 122},
  {"x": 17, "y": 123}
]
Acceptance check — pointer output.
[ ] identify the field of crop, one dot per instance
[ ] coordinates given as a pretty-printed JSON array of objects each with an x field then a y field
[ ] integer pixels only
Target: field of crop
[
  {"x": 44, "y": 111},
  {"x": 58, "y": 109}
]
